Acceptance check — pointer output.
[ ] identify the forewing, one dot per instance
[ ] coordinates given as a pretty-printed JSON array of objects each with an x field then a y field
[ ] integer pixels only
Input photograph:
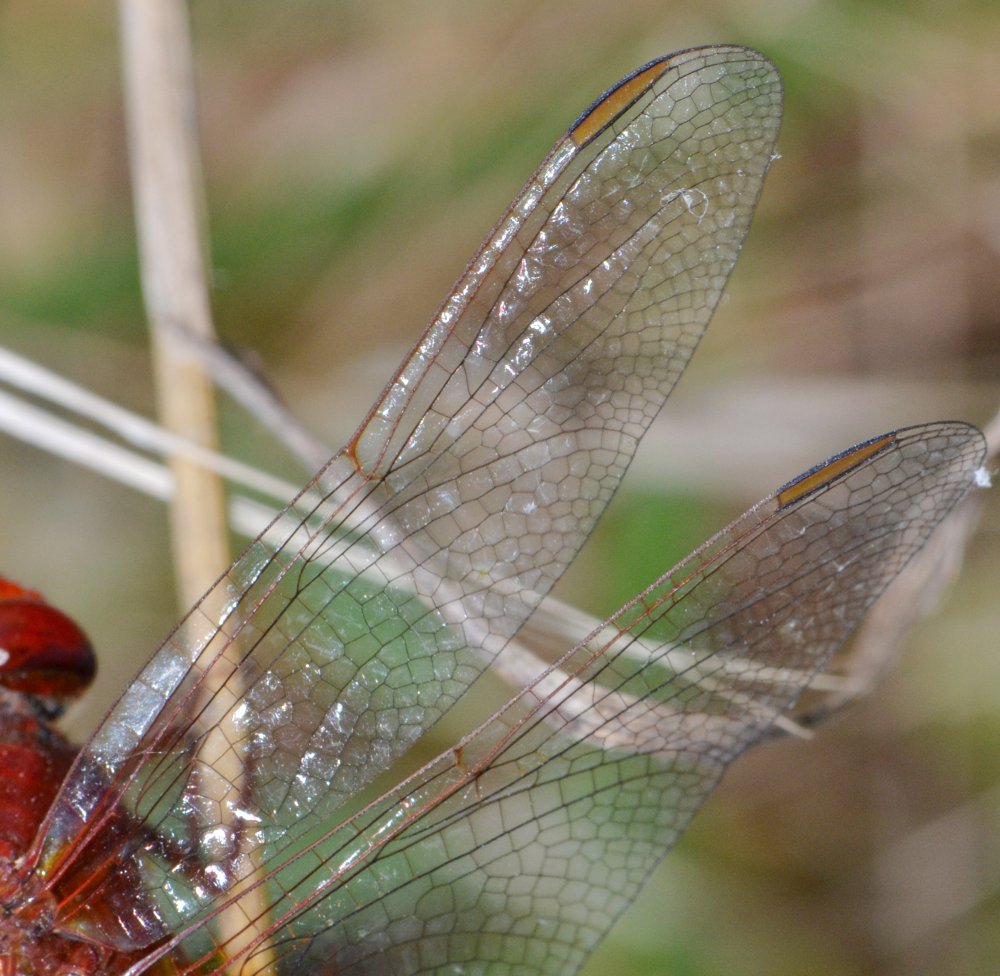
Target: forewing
[{"x": 371, "y": 605}]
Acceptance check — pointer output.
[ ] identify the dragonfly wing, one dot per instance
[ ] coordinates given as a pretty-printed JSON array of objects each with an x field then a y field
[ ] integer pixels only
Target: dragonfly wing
[
  {"x": 515, "y": 851},
  {"x": 373, "y": 603}
]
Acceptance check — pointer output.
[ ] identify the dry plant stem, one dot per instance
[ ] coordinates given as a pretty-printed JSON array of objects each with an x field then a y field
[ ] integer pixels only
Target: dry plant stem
[
  {"x": 168, "y": 198},
  {"x": 249, "y": 388},
  {"x": 166, "y": 180}
]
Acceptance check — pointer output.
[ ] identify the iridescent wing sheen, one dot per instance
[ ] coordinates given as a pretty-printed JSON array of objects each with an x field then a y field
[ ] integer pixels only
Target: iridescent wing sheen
[
  {"x": 514, "y": 851},
  {"x": 371, "y": 605},
  {"x": 226, "y": 782}
]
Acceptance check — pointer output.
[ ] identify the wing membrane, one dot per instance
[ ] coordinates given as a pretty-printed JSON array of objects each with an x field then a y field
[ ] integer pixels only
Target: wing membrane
[
  {"x": 375, "y": 601},
  {"x": 517, "y": 849},
  {"x": 224, "y": 783}
]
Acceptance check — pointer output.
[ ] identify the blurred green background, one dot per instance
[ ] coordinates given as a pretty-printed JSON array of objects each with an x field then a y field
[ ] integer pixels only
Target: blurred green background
[{"x": 355, "y": 155}]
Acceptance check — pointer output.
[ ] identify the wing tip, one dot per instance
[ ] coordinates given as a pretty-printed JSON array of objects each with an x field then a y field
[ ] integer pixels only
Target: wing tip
[{"x": 633, "y": 86}]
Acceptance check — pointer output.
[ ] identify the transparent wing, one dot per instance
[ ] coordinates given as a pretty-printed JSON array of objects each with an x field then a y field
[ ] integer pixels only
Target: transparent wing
[
  {"x": 514, "y": 851},
  {"x": 371, "y": 605},
  {"x": 377, "y": 598}
]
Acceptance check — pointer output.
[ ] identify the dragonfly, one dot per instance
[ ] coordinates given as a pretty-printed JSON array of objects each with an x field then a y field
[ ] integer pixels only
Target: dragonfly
[{"x": 260, "y": 800}]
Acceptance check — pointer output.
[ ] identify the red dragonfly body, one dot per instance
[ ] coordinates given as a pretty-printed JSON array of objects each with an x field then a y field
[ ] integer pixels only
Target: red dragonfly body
[
  {"x": 46, "y": 660},
  {"x": 47, "y": 657},
  {"x": 232, "y": 812}
]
